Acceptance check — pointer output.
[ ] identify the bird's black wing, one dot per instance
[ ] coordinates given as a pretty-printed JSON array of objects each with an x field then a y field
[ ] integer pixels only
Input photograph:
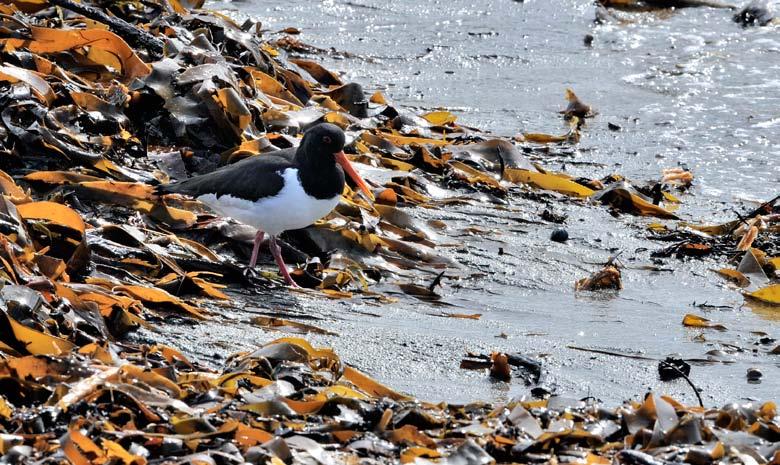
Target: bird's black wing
[{"x": 251, "y": 179}]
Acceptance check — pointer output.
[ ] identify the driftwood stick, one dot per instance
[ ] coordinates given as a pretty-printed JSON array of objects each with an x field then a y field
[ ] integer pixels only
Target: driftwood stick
[
  {"x": 612, "y": 353},
  {"x": 761, "y": 210},
  {"x": 135, "y": 36},
  {"x": 758, "y": 211}
]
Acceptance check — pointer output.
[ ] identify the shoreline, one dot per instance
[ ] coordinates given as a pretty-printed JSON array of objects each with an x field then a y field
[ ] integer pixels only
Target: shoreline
[{"x": 91, "y": 255}]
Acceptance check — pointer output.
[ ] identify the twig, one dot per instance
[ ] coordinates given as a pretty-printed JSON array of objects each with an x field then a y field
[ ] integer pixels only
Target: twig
[
  {"x": 758, "y": 210},
  {"x": 133, "y": 34},
  {"x": 614, "y": 354},
  {"x": 740, "y": 220},
  {"x": 706, "y": 305},
  {"x": 679, "y": 372},
  {"x": 436, "y": 281}
]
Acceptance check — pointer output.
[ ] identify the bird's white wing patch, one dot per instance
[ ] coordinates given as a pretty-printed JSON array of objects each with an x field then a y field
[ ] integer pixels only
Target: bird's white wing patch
[{"x": 290, "y": 208}]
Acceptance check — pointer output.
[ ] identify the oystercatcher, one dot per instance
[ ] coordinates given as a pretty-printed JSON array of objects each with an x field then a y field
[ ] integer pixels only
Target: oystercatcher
[{"x": 279, "y": 191}]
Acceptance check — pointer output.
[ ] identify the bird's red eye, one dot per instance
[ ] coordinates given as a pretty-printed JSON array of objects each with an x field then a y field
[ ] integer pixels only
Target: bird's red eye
[{"x": 326, "y": 139}]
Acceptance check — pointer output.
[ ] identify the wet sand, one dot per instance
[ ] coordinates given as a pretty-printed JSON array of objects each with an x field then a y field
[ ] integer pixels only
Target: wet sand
[{"x": 671, "y": 82}]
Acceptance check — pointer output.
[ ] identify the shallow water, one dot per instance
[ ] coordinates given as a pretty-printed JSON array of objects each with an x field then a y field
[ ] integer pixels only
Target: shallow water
[{"x": 687, "y": 87}]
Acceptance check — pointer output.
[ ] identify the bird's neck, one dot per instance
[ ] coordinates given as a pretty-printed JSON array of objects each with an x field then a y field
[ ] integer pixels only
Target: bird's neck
[{"x": 321, "y": 181}]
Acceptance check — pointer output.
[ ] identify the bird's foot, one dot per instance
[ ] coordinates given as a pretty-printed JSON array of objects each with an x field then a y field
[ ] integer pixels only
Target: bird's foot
[
  {"x": 288, "y": 279},
  {"x": 251, "y": 273}
]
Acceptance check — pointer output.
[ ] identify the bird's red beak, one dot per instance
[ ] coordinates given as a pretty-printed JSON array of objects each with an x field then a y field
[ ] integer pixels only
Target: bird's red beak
[{"x": 342, "y": 160}]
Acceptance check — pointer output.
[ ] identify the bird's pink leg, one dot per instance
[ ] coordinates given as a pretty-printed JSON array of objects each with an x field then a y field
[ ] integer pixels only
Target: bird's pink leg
[
  {"x": 256, "y": 249},
  {"x": 277, "y": 253}
]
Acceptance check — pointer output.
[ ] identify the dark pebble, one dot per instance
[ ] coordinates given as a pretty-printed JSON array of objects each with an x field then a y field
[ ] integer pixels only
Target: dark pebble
[
  {"x": 588, "y": 40},
  {"x": 672, "y": 368},
  {"x": 613, "y": 127},
  {"x": 559, "y": 235},
  {"x": 754, "y": 374},
  {"x": 541, "y": 392}
]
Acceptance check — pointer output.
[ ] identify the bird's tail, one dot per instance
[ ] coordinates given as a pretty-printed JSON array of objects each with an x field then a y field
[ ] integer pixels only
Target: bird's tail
[{"x": 161, "y": 190}]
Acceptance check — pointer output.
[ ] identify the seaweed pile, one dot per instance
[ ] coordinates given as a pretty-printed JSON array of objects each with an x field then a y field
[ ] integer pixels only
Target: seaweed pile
[
  {"x": 93, "y": 123},
  {"x": 102, "y": 101},
  {"x": 289, "y": 402}
]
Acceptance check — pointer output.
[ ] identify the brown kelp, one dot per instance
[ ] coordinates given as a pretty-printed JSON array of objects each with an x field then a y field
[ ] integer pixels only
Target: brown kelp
[{"x": 103, "y": 100}]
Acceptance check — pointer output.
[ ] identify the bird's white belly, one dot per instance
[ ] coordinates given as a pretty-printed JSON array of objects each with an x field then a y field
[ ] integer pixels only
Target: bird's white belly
[{"x": 290, "y": 208}]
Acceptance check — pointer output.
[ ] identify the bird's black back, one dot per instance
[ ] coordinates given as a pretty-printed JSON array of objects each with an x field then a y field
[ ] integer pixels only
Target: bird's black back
[
  {"x": 260, "y": 176},
  {"x": 252, "y": 178}
]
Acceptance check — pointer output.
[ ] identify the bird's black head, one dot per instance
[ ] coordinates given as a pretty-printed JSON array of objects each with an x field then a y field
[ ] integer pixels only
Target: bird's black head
[
  {"x": 320, "y": 144},
  {"x": 321, "y": 153}
]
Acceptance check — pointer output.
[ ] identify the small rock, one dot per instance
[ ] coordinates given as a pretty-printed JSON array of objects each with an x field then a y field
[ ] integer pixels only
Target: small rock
[
  {"x": 549, "y": 215},
  {"x": 499, "y": 367},
  {"x": 541, "y": 392},
  {"x": 588, "y": 40},
  {"x": 754, "y": 375},
  {"x": 672, "y": 368},
  {"x": 613, "y": 127},
  {"x": 559, "y": 235}
]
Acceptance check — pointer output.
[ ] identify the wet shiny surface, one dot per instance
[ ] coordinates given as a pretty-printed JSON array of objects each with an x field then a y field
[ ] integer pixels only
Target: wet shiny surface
[{"x": 687, "y": 87}]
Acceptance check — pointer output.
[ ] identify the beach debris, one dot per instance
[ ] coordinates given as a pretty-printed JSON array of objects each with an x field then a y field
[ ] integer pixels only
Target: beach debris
[
  {"x": 608, "y": 277},
  {"x": 280, "y": 324},
  {"x": 754, "y": 375},
  {"x": 673, "y": 368},
  {"x": 559, "y": 235},
  {"x": 588, "y": 40},
  {"x": 768, "y": 295},
  {"x": 625, "y": 198},
  {"x": 576, "y": 109},
  {"x": 678, "y": 176},
  {"x": 553, "y": 217},
  {"x": 270, "y": 404},
  {"x": 556, "y": 182},
  {"x": 734, "y": 276},
  {"x": 499, "y": 366},
  {"x": 463, "y": 316},
  {"x": 695, "y": 321},
  {"x": 650, "y": 5},
  {"x": 753, "y": 268},
  {"x": 757, "y": 13}
]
